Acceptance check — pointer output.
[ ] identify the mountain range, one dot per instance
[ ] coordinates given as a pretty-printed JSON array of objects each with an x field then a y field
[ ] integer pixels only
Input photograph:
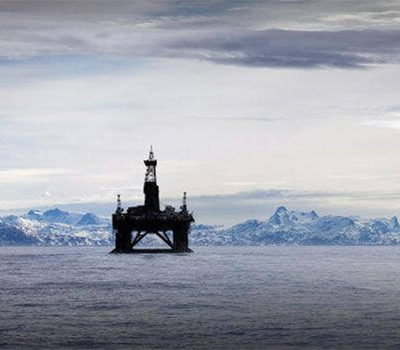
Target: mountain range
[
  {"x": 284, "y": 227},
  {"x": 55, "y": 227}
]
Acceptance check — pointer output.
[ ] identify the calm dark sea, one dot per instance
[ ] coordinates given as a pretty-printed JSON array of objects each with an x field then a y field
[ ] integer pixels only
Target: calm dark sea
[{"x": 217, "y": 298}]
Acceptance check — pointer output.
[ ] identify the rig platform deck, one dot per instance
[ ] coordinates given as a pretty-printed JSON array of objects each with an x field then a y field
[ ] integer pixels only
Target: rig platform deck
[{"x": 132, "y": 226}]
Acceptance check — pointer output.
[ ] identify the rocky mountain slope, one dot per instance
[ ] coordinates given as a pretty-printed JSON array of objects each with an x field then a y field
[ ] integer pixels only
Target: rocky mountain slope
[{"x": 284, "y": 227}]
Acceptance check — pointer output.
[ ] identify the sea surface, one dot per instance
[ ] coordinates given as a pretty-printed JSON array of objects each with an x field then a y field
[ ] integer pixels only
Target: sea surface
[{"x": 216, "y": 298}]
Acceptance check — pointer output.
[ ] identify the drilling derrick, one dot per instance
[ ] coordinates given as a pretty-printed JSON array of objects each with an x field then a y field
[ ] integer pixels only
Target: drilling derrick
[
  {"x": 132, "y": 226},
  {"x": 150, "y": 189}
]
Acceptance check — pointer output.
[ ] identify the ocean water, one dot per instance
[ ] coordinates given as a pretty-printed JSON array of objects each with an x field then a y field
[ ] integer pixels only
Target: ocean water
[{"x": 216, "y": 298}]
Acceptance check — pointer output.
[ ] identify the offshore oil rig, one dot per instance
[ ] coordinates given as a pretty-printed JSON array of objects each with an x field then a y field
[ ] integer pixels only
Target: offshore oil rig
[{"x": 132, "y": 226}]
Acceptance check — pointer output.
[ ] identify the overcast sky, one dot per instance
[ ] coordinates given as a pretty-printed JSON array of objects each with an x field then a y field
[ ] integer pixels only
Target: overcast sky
[{"x": 249, "y": 105}]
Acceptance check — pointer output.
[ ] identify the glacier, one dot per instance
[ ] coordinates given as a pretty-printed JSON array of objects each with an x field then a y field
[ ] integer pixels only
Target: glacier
[{"x": 62, "y": 228}]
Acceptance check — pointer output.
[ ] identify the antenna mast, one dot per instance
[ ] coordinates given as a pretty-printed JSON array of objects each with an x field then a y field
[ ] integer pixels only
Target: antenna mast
[
  {"x": 119, "y": 207},
  {"x": 184, "y": 202}
]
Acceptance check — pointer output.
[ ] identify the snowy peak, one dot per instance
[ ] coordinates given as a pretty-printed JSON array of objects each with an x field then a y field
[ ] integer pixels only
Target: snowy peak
[
  {"x": 303, "y": 217},
  {"x": 394, "y": 222},
  {"x": 284, "y": 217},
  {"x": 58, "y": 216},
  {"x": 89, "y": 219},
  {"x": 34, "y": 214},
  {"x": 281, "y": 210},
  {"x": 280, "y": 217}
]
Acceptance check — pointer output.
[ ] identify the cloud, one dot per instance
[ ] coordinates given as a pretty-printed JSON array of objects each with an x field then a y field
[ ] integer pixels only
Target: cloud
[
  {"x": 241, "y": 198},
  {"x": 245, "y": 119},
  {"x": 366, "y": 177},
  {"x": 292, "y": 48},
  {"x": 15, "y": 176},
  {"x": 385, "y": 124},
  {"x": 256, "y": 36},
  {"x": 121, "y": 189},
  {"x": 390, "y": 120},
  {"x": 46, "y": 194},
  {"x": 255, "y": 183}
]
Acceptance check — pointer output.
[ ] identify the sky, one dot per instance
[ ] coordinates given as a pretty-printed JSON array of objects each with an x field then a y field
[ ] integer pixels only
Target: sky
[{"x": 249, "y": 105}]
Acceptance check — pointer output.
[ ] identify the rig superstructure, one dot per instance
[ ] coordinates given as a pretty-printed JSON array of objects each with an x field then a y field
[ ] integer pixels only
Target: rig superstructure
[{"x": 132, "y": 226}]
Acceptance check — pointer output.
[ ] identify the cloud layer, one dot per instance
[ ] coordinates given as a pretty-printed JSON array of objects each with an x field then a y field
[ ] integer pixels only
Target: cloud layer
[
  {"x": 300, "y": 34},
  {"x": 289, "y": 48},
  {"x": 86, "y": 86}
]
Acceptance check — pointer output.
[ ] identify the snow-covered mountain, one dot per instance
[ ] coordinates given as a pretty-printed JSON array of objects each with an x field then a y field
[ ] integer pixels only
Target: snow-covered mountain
[
  {"x": 55, "y": 227},
  {"x": 284, "y": 227}
]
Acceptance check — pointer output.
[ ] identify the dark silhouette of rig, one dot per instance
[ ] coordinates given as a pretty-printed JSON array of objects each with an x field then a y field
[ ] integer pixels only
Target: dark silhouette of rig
[{"x": 146, "y": 219}]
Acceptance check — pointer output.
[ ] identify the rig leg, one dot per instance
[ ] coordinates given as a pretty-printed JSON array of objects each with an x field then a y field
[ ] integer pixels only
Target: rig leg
[
  {"x": 123, "y": 239},
  {"x": 181, "y": 241}
]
